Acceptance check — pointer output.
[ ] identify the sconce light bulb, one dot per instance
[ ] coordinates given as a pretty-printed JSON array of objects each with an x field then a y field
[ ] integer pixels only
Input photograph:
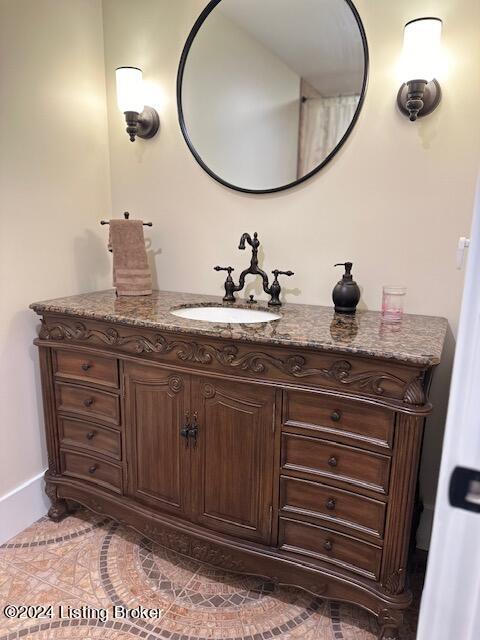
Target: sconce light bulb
[
  {"x": 130, "y": 89},
  {"x": 421, "y": 57}
]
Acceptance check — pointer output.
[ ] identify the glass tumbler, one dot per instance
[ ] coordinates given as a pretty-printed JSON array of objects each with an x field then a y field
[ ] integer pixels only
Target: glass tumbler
[{"x": 392, "y": 303}]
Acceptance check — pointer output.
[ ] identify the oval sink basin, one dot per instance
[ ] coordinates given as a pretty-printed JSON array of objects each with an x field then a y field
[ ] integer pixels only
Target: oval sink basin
[{"x": 227, "y": 315}]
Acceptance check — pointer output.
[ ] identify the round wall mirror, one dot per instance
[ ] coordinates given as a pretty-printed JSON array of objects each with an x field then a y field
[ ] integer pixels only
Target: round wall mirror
[{"x": 269, "y": 90}]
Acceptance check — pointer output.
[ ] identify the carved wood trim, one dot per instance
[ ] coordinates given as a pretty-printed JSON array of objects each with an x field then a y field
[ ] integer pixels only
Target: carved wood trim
[
  {"x": 390, "y": 621},
  {"x": 175, "y": 384},
  {"x": 208, "y": 391},
  {"x": 229, "y": 356},
  {"x": 415, "y": 393},
  {"x": 393, "y": 584},
  {"x": 199, "y": 550},
  {"x": 58, "y": 509},
  {"x": 46, "y": 370},
  {"x": 401, "y": 500}
]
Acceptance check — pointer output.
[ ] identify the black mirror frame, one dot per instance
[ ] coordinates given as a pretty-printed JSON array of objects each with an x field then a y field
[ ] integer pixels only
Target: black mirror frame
[{"x": 181, "y": 70}]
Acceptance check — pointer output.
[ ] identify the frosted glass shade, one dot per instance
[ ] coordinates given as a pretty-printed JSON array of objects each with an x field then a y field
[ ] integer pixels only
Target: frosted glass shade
[
  {"x": 421, "y": 56},
  {"x": 130, "y": 89}
]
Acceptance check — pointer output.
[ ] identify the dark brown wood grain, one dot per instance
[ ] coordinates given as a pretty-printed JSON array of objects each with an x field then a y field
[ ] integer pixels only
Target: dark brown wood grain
[
  {"x": 90, "y": 436},
  {"x": 361, "y": 425},
  {"x": 334, "y": 507},
  {"x": 88, "y": 402},
  {"x": 302, "y": 468},
  {"x": 157, "y": 408},
  {"x": 92, "y": 469},
  {"x": 303, "y": 538},
  {"x": 233, "y": 459},
  {"x": 83, "y": 367},
  {"x": 401, "y": 501},
  {"x": 328, "y": 460}
]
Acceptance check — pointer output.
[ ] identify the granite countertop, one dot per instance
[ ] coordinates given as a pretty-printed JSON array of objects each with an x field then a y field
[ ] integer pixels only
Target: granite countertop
[{"x": 417, "y": 340}]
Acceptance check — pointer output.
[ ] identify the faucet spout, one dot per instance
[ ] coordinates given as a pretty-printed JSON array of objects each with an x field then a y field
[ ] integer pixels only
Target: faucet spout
[{"x": 254, "y": 243}]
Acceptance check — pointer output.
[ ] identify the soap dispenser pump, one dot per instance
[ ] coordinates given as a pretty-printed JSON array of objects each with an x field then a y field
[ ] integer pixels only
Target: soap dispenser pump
[{"x": 346, "y": 294}]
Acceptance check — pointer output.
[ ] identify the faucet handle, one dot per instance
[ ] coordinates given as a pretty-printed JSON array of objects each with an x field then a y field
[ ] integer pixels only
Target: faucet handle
[
  {"x": 275, "y": 288},
  {"x": 229, "y": 284},
  {"x": 229, "y": 269},
  {"x": 277, "y": 272}
]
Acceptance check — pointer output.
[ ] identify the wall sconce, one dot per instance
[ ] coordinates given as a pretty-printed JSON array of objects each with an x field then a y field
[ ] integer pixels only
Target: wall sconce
[
  {"x": 421, "y": 57},
  {"x": 141, "y": 121}
]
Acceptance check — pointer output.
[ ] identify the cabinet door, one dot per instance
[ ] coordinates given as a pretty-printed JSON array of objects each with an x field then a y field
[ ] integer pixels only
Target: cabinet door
[
  {"x": 158, "y": 456},
  {"x": 233, "y": 458}
]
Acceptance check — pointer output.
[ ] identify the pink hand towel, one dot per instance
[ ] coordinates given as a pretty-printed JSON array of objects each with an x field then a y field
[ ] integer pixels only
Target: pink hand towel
[{"x": 131, "y": 273}]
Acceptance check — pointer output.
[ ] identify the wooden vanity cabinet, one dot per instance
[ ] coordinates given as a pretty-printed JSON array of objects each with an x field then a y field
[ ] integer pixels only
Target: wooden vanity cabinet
[{"x": 293, "y": 464}]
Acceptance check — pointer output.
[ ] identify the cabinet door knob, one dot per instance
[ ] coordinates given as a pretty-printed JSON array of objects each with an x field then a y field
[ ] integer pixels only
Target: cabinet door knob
[
  {"x": 90, "y": 435},
  {"x": 336, "y": 416},
  {"x": 328, "y": 545},
  {"x": 332, "y": 461},
  {"x": 86, "y": 366},
  {"x": 193, "y": 433},
  {"x": 88, "y": 402},
  {"x": 92, "y": 469},
  {"x": 331, "y": 504},
  {"x": 185, "y": 430}
]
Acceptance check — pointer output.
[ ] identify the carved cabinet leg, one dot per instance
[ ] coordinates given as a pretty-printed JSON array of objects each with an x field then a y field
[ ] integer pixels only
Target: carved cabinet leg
[
  {"x": 390, "y": 622},
  {"x": 59, "y": 508}
]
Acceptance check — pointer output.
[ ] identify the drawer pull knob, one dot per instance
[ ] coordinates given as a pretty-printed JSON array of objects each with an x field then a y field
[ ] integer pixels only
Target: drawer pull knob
[
  {"x": 92, "y": 469},
  {"x": 88, "y": 402},
  {"x": 332, "y": 461},
  {"x": 331, "y": 504},
  {"x": 327, "y": 545},
  {"x": 336, "y": 416},
  {"x": 86, "y": 366},
  {"x": 90, "y": 435}
]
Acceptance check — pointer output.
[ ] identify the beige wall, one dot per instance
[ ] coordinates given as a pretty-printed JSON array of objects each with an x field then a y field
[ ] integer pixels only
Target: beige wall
[
  {"x": 54, "y": 188},
  {"x": 394, "y": 200}
]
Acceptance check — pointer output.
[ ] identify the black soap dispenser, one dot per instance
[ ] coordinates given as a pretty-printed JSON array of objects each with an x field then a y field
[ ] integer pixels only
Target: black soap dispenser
[{"x": 346, "y": 294}]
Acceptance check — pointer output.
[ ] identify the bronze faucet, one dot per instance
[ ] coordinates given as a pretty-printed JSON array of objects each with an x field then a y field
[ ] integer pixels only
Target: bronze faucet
[{"x": 272, "y": 290}]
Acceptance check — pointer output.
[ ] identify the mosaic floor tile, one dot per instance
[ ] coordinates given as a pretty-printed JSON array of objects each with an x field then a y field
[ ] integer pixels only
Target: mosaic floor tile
[{"x": 93, "y": 562}]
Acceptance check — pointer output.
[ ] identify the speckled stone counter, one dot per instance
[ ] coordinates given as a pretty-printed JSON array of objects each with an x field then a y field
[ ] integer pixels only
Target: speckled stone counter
[{"x": 417, "y": 340}]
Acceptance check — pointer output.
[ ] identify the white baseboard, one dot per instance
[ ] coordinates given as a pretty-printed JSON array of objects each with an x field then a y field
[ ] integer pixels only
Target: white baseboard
[
  {"x": 424, "y": 531},
  {"x": 22, "y": 507}
]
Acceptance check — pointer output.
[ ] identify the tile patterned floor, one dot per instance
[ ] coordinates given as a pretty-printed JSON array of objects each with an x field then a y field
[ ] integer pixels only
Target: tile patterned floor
[{"x": 91, "y": 562}]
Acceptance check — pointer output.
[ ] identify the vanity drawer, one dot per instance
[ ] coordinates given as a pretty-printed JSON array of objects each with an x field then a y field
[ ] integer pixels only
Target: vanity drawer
[
  {"x": 90, "y": 436},
  {"x": 321, "y": 502},
  {"x": 84, "y": 367},
  {"x": 304, "y": 539},
  {"x": 325, "y": 416},
  {"x": 315, "y": 457},
  {"x": 86, "y": 401},
  {"x": 86, "y": 467}
]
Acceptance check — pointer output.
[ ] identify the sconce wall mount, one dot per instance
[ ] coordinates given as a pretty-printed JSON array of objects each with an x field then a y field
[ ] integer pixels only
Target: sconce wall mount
[
  {"x": 418, "y": 98},
  {"x": 421, "y": 92},
  {"x": 144, "y": 125},
  {"x": 142, "y": 121}
]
